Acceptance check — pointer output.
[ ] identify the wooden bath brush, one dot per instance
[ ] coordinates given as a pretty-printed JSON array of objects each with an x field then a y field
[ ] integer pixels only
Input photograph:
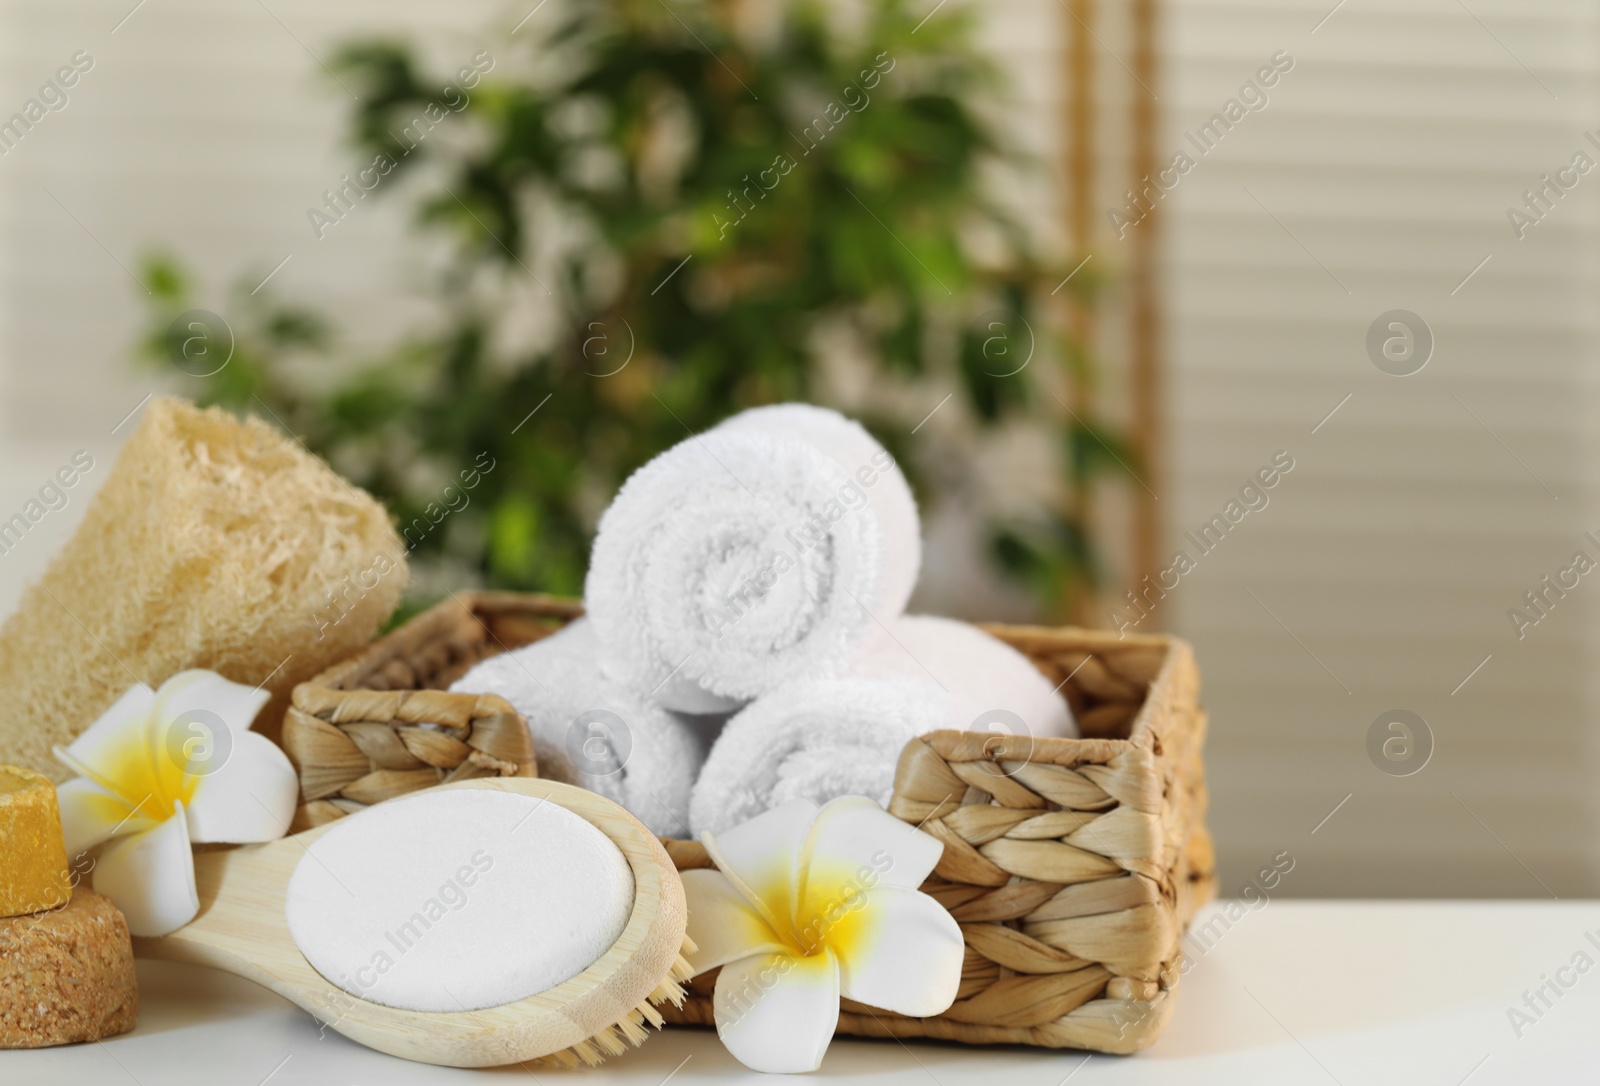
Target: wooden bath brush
[{"x": 492, "y": 921}]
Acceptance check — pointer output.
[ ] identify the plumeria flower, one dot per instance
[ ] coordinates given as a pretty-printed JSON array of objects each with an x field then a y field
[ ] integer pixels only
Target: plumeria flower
[
  {"x": 161, "y": 769},
  {"x": 809, "y": 905}
]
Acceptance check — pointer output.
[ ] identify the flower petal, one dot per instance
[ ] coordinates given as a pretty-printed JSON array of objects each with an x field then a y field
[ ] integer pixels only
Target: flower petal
[
  {"x": 854, "y": 832},
  {"x": 198, "y": 691},
  {"x": 113, "y": 751},
  {"x": 150, "y": 876},
  {"x": 134, "y": 703},
  {"x": 777, "y": 1012},
  {"x": 248, "y": 796},
  {"x": 762, "y": 856},
  {"x": 722, "y": 925},
  {"x": 197, "y": 721},
  {"x": 90, "y": 814},
  {"x": 901, "y": 952}
]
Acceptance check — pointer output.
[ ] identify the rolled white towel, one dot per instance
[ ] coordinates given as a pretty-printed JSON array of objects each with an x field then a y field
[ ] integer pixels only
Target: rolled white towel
[
  {"x": 814, "y": 739},
  {"x": 593, "y": 731},
  {"x": 992, "y": 686},
  {"x": 874, "y": 472},
  {"x": 729, "y": 565}
]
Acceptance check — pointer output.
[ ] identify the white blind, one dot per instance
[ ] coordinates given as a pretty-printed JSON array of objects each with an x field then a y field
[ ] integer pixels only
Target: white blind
[{"x": 1378, "y": 177}]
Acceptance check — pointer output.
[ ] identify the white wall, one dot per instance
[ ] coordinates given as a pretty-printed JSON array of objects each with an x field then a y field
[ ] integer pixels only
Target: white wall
[{"x": 202, "y": 128}]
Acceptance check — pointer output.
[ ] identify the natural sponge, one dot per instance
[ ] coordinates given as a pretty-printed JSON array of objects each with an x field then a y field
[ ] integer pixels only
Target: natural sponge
[{"x": 214, "y": 543}]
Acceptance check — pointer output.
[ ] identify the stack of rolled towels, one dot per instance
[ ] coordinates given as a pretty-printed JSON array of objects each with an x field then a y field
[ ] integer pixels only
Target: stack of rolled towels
[{"x": 745, "y": 642}]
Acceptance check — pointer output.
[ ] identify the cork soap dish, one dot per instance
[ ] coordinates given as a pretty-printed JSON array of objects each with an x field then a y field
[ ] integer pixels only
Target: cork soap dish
[{"x": 486, "y": 922}]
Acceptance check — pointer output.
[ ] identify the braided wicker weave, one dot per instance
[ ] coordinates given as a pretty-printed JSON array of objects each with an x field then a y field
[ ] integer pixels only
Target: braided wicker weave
[
  {"x": 380, "y": 725},
  {"x": 1073, "y": 865}
]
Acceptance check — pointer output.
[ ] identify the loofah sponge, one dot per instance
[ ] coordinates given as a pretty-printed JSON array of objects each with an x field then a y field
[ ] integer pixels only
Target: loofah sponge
[{"x": 214, "y": 543}]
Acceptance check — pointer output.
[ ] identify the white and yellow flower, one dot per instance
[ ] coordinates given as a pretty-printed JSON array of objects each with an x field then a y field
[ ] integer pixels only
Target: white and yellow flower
[
  {"x": 161, "y": 769},
  {"x": 809, "y": 905}
]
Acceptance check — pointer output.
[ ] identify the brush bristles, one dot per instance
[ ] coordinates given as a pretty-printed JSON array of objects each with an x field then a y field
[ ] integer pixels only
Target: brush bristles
[{"x": 633, "y": 1029}]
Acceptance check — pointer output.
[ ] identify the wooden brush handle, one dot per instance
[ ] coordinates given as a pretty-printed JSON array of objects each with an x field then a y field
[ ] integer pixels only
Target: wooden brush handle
[{"x": 241, "y": 929}]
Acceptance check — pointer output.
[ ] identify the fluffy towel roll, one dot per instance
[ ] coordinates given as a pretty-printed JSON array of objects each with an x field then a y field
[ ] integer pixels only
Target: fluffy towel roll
[
  {"x": 871, "y": 467},
  {"x": 214, "y": 543},
  {"x": 991, "y": 685},
  {"x": 815, "y": 740},
  {"x": 730, "y": 565},
  {"x": 592, "y": 731}
]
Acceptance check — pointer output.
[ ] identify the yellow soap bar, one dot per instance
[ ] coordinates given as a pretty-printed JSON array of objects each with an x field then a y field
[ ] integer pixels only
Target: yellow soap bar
[{"x": 33, "y": 874}]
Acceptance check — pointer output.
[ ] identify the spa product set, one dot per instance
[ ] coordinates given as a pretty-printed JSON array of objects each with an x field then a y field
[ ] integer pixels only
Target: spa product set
[{"x": 737, "y": 787}]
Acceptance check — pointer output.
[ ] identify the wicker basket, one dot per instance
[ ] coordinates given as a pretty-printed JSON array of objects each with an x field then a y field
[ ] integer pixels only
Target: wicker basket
[{"x": 1073, "y": 865}]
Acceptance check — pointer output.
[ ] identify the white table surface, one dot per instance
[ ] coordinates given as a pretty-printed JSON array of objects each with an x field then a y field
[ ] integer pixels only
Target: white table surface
[{"x": 1294, "y": 992}]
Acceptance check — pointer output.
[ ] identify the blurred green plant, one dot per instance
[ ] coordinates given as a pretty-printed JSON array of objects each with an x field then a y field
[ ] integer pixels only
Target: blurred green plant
[{"x": 694, "y": 212}]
